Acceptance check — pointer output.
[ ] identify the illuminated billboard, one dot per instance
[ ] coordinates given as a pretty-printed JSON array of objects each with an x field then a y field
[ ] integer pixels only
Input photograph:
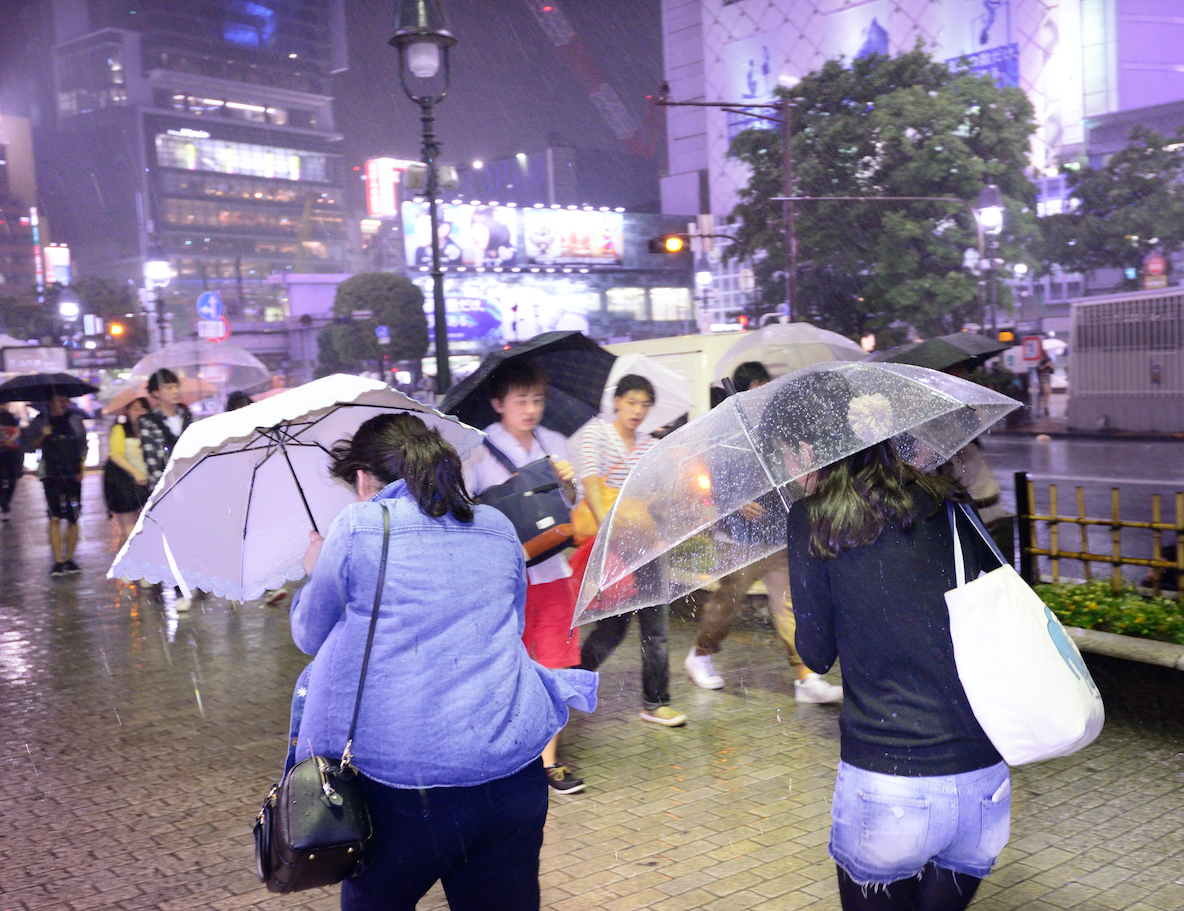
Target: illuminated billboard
[
  {"x": 469, "y": 235},
  {"x": 382, "y": 180},
  {"x": 561, "y": 237},
  {"x": 57, "y": 264}
]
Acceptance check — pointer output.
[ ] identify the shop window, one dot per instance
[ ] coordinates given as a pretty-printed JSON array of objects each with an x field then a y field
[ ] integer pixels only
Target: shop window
[
  {"x": 626, "y": 302},
  {"x": 670, "y": 303}
]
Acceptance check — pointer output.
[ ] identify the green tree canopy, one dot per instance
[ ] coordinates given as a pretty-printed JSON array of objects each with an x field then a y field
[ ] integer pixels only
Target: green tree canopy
[
  {"x": 886, "y": 126},
  {"x": 1124, "y": 210},
  {"x": 393, "y": 301}
]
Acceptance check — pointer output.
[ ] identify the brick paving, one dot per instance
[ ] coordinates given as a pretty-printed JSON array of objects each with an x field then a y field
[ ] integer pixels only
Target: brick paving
[{"x": 120, "y": 790}]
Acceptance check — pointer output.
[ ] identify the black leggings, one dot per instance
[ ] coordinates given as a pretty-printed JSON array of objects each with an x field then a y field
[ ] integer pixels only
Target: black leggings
[{"x": 937, "y": 889}]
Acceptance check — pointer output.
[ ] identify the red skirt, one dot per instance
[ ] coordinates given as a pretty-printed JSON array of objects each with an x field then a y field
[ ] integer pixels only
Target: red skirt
[{"x": 549, "y": 638}]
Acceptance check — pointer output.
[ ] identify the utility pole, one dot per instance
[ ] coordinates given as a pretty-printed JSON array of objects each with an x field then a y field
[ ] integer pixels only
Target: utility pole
[{"x": 782, "y": 107}]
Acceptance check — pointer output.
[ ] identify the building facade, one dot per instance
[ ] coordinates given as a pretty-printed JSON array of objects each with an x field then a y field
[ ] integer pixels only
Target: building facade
[{"x": 201, "y": 133}]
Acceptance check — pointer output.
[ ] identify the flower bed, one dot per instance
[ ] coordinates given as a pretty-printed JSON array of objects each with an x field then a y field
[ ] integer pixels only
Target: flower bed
[{"x": 1095, "y": 605}]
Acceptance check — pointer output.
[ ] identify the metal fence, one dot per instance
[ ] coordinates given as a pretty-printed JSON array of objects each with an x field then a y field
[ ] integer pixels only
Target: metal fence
[
  {"x": 1129, "y": 345},
  {"x": 1028, "y": 523}
]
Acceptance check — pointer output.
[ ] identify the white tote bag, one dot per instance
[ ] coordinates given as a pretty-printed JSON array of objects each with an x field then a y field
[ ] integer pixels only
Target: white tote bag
[{"x": 1003, "y": 634}]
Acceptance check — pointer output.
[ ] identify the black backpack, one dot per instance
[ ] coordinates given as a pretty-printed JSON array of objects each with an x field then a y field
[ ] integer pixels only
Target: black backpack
[{"x": 533, "y": 501}]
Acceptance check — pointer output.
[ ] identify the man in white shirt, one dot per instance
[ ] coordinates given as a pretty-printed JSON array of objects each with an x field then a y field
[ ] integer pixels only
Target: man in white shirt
[{"x": 518, "y": 393}]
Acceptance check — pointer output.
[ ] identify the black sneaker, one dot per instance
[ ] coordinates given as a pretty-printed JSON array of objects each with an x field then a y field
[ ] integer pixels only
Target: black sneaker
[
  {"x": 59, "y": 569},
  {"x": 560, "y": 778},
  {"x": 71, "y": 567}
]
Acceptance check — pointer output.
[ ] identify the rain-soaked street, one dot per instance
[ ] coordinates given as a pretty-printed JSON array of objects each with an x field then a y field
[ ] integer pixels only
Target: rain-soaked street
[{"x": 136, "y": 745}]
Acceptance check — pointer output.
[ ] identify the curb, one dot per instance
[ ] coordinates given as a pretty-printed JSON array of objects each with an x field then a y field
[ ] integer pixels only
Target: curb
[
  {"x": 1099, "y": 436},
  {"x": 1145, "y": 651}
]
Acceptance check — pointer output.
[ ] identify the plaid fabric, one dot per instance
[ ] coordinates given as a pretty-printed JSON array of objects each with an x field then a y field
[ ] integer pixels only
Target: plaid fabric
[{"x": 157, "y": 441}]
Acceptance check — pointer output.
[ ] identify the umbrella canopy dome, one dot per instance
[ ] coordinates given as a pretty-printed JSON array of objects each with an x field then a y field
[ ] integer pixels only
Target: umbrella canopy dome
[
  {"x": 40, "y": 387},
  {"x": 944, "y": 351},
  {"x": 576, "y": 367},
  {"x": 121, "y": 395},
  {"x": 685, "y": 507},
  {"x": 232, "y": 513},
  {"x": 672, "y": 391},
  {"x": 785, "y": 347},
  {"x": 228, "y": 367}
]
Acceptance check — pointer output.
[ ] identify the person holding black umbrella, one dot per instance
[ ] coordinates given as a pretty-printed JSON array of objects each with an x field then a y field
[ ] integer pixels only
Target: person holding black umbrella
[
  {"x": 518, "y": 393},
  {"x": 61, "y": 436}
]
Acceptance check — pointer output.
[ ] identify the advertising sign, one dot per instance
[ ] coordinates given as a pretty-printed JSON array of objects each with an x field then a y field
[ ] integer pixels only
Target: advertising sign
[
  {"x": 560, "y": 237},
  {"x": 469, "y": 319},
  {"x": 57, "y": 264},
  {"x": 34, "y": 359},
  {"x": 752, "y": 67},
  {"x": 469, "y": 235},
  {"x": 977, "y": 37},
  {"x": 1155, "y": 271},
  {"x": 382, "y": 180}
]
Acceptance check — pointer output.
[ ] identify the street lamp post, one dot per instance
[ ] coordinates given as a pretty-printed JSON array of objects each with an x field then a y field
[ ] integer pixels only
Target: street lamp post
[
  {"x": 422, "y": 37},
  {"x": 989, "y": 215},
  {"x": 158, "y": 272}
]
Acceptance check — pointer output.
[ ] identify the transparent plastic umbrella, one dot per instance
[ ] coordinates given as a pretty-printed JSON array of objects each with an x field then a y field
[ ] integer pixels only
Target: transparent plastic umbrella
[
  {"x": 713, "y": 496},
  {"x": 226, "y": 366},
  {"x": 786, "y": 347}
]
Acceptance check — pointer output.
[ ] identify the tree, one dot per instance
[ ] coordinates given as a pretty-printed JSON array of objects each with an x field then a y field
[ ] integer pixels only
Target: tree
[
  {"x": 393, "y": 301},
  {"x": 886, "y": 126},
  {"x": 1127, "y": 208}
]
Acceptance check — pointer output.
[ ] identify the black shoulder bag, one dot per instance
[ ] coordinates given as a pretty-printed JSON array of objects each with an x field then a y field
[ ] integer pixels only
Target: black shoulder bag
[
  {"x": 533, "y": 502},
  {"x": 314, "y": 829}
]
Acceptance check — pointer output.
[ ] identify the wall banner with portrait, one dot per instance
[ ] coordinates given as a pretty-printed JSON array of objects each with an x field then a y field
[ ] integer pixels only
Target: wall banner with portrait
[{"x": 469, "y": 235}]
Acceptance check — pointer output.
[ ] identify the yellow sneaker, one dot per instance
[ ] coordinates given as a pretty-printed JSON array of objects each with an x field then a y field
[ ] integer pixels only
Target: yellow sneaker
[{"x": 665, "y": 716}]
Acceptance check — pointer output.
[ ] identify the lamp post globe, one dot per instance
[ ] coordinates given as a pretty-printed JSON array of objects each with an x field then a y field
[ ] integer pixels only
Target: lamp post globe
[
  {"x": 69, "y": 306},
  {"x": 990, "y": 209},
  {"x": 423, "y": 39}
]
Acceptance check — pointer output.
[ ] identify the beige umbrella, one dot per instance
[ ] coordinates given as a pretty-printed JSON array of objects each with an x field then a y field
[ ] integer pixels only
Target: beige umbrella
[{"x": 192, "y": 389}]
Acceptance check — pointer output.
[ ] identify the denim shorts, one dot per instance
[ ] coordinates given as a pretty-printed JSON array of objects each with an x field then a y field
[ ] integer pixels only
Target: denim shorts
[{"x": 888, "y": 827}]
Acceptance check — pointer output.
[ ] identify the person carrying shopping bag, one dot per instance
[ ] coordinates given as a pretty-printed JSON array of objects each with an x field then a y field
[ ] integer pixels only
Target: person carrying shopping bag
[
  {"x": 455, "y": 714},
  {"x": 922, "y": 798},
  {"x": 607, "y": 455}
]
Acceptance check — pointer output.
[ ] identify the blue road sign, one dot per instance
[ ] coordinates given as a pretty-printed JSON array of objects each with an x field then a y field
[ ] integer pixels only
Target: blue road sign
[
  {"x": 383, "y": 333},
  {"x": 209, "y": 305}
]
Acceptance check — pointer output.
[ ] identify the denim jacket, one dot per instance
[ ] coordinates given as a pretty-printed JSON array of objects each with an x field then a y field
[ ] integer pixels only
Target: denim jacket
[{"x": 451, "y": 699}]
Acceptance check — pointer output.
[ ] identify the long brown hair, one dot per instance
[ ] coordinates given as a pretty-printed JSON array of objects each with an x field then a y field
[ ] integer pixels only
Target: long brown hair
[{"x": 856, "y": 497}]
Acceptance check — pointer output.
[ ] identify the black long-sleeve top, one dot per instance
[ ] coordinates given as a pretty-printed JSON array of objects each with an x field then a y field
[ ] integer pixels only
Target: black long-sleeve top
[{"x": 881, "y": 609}]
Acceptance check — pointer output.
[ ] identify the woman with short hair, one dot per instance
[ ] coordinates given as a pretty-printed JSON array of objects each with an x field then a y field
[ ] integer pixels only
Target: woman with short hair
[
  {"x": 454, "y": 713},
  {"x": 125, "y": 476}
]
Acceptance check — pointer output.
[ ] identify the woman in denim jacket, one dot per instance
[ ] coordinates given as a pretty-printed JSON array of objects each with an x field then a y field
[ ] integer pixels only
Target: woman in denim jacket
[{"x": 454, "y": 714}]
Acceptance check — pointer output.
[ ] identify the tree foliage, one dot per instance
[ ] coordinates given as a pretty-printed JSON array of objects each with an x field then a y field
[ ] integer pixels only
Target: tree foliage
[
  {"x": 1127, "y": 208},
  {"x": 886, "y": 126},
  {"x": 394, "y": 301}
]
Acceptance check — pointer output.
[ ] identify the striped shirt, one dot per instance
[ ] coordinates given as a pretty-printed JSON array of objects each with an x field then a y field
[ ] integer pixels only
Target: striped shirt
[{"x": 603, "y": 453}]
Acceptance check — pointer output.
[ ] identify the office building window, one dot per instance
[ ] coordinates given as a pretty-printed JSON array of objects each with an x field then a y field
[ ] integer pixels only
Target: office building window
[
  {"x": 214, "y": 216},
  {"x": 626, "y": 302},
  {"x": 216, "y": 186},
  {"x": 670, "y": 303},
  {"x": 193, "y": 153}
]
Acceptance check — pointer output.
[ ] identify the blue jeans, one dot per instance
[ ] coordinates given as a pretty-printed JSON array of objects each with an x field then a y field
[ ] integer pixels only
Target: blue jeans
[
  {"x": 481, "y": 842},
  {"x": 888, "y": 827}
]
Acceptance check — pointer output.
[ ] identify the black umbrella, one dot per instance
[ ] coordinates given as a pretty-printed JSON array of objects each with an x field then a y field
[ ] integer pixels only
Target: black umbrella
[
  {"x": 41, "y": 387},
  {"x": 577, "y": 367},
  {"x": 944, "y": 352}
]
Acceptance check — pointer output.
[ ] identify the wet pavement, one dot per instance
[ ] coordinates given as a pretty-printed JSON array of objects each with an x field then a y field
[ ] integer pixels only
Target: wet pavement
[{"x": 136, "y": 744}]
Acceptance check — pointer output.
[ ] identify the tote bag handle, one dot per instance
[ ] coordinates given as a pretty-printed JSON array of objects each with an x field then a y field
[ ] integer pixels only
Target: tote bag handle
[{"x": 959, "y": 557}]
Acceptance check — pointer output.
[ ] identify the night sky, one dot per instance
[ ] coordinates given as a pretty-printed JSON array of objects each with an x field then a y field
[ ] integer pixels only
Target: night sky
[{"x": 512, "y": 91}]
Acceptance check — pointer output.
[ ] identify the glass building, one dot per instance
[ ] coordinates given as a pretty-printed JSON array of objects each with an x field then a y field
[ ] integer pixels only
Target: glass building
[{"x": 202, "y": 131}]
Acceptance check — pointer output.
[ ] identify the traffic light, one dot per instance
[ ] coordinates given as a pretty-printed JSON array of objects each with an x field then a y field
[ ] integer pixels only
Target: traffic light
[
  {"x": 668, "y": 243},
  {"x": 116, "y": 330},
  {"x": 1007, "y": 336}
]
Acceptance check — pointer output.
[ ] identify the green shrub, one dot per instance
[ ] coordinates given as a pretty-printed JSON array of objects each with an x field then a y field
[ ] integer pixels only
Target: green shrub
[{"x": 1095, "y": 605}]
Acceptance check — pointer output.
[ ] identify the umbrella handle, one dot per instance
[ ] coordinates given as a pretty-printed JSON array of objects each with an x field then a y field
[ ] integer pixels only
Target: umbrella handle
[{"x": 730, "y": 389}]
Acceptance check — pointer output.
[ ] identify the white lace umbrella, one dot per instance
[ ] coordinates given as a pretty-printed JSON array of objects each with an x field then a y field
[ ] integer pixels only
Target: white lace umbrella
[
  {"x": 786, "y": 347},
  {"x": 233, "y": 509},
  {"x": 686, "y": 515}
]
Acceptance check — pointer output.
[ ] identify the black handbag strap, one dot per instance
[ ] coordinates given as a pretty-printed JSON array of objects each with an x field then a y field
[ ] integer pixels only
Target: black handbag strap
[
  {"x": 501, "y": 458},
  {"x": 347, "y": 754}
]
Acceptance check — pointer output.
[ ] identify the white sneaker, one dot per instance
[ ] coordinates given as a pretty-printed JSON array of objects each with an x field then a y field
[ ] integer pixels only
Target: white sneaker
[
  {"x": 181, "y": 605},
  {"x": 702, "y": 671},
  {"x": 815, "y": 689}
]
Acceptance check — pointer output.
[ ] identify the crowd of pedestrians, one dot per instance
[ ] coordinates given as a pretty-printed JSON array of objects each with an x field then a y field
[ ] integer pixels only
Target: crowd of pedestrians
[{"x": 482, "y": 666}]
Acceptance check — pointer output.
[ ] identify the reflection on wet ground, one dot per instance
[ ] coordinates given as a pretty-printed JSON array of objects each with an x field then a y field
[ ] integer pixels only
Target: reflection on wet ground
[{"x": 136, "y": 745}]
